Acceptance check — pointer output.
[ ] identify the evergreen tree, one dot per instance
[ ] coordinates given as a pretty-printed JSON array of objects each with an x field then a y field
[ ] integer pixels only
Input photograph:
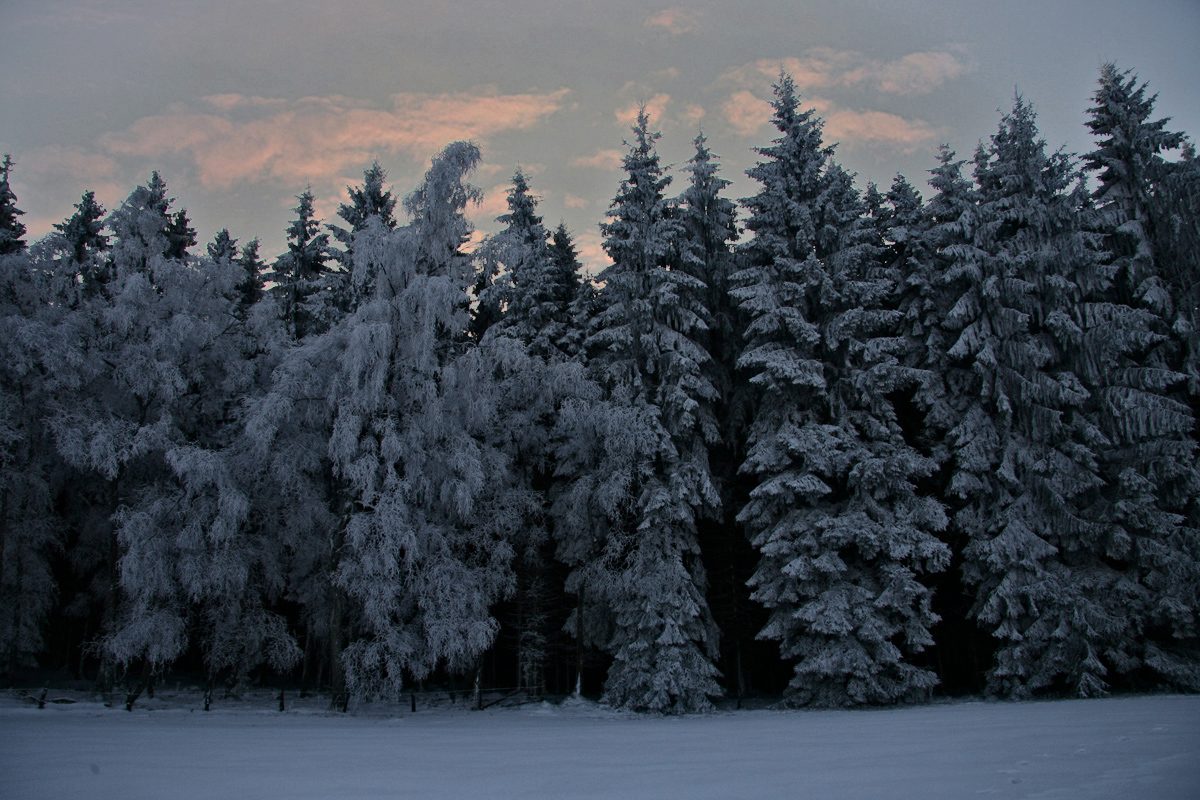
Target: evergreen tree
[
  {"x": 645, "y": 354},
  {"x": 180, "y": 235},
  {"x": 223, "y": 247},
  {"x": 1025, "y": 458},
  {"x": 368, "y": 201},
  {"x": 931, "y": 247},
  {"x": 251, "y": 287},
  {"x": 571, "y": 291},
  {"x": 842, "y": 533},
  {"x": 1139, "y": 400},
  {"x": 539, "y": 283},
  {"x": 303, "y": 299},
  {"x": 11, "y": 228},
  {"x": 83, "y": 231},
  {"x": 709, "y": 228},
  {"x": 144, "y": 229}
]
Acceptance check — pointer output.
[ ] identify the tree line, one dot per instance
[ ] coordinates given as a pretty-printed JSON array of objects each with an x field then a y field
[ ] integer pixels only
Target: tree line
[{"x": 853, "y": 447}]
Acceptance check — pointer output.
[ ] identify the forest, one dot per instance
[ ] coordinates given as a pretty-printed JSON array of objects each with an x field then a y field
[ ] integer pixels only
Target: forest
[{"x": 830, "y": 445}]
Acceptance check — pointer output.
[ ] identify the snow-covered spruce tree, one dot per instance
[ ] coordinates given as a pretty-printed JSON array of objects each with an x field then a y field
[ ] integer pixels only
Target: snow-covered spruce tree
[
  {"x": 1132, "y": 351},
  {"x": 223, "y": 247},
  {"x": 532, "y": 313},
  {"x": 1175, "y": 226},
  {"x": 834, "y": 513},
  {"x": 1024, "y": 450},
  {"x": 143, "y": 229},
  {"x": 709, "y": 228},
  {"x": 301, "y": 287},
  {"x": 11, "y": 228},
  {"x": 251, "y": 288},
  {"x": 930, "y": 247},
  {"x": 538, "y": 283},
  {"x": 573, "y": 291},
  {"x": 368, "y": 201},
  {"x": 84, "y": 238},
  {"x": 644, "y": 353}
]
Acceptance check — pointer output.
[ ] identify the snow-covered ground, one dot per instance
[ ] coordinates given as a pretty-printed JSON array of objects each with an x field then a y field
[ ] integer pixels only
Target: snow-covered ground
[{"x": 1140, "y": 747}]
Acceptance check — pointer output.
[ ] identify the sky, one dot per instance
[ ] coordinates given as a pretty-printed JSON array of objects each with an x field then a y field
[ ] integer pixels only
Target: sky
[{"x": 242, "y": 105}]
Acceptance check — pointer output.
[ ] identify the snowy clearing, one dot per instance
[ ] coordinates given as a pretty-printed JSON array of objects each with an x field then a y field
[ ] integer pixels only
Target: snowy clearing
[{"x": 1146, "y": 747}]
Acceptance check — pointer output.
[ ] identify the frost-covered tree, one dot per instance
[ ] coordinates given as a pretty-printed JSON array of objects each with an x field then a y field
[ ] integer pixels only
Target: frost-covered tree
[
  {"x": 1024, "y": 451},
  {"x": 223, "y": 247},
  {"x": 84, "y": 240},
  {"x": 1132, "y": 353},
  {"x": 35, "y": 362},
  {"x": 419, "y": 512},
  {"x": 299, "y": 275},
  {"x": 367, "y": 201},
  {"x": 709, "y": 228},
  {"x": 644, "y": 352},
  {"x": 536, "y": 289},
  {"x": 11, "y": 228},
  {"x": 251, "y": 287},
  {"x": 843, "y": 536},
  {"x": 147, "y": 423},
  {"x": 144, "y": 229}
]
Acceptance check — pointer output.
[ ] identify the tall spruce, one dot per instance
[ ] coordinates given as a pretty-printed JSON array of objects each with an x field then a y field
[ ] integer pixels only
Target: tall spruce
[
  {"x": 11, "y": 228},
  {"x": 1024, "y": 451},
  {"x": 368, "y": 201},
  {"x": 709, "y": 229},
  {"x": 298, "y": 275},
  {"x": 251, "y": 287},
  {"x": 644, "y": 352},
  {"x": 83, "y": 239},
  {"x": 572, "y": 291},
  {"x": 536, "y": 311},
  {"x": 1134, "y": 354},
  {"x": 538, "y": 286},
  {"x": 834, "y": 514}
]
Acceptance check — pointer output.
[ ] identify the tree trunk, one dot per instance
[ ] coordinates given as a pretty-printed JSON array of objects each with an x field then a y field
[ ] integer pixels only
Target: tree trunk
[
  {"x": 579, "y": 645},
  {"x": 339, "y": 699}
]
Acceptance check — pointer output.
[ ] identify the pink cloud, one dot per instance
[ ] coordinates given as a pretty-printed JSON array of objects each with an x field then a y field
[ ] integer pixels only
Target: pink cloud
[
  {"x": 229, "y": 102},
  {"x": 676, "y": 21},
  {"x": 40, "y": 174},
  {"x": 495, "y": 203},
  {"x": 656, "y": 108},
  {"x": 575, "y": 201},
  {"x": 746, "y": 112},
  {"x": 607, "y": 158},
  {"x": 915, "y": 73},
  {"x": 877, "y": 127},
  {"x": 823, "y": 67},
  {"x": 591, "y": 252},
  {"x": 314, "y": 139}
]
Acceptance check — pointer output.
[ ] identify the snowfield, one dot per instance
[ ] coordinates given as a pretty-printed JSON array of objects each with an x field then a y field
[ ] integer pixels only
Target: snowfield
[{"x": 1135, "y": 747}]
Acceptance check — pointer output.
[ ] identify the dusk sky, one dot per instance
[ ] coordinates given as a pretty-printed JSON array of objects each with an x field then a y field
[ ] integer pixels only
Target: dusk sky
[{"x": 240, "y": 105}]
